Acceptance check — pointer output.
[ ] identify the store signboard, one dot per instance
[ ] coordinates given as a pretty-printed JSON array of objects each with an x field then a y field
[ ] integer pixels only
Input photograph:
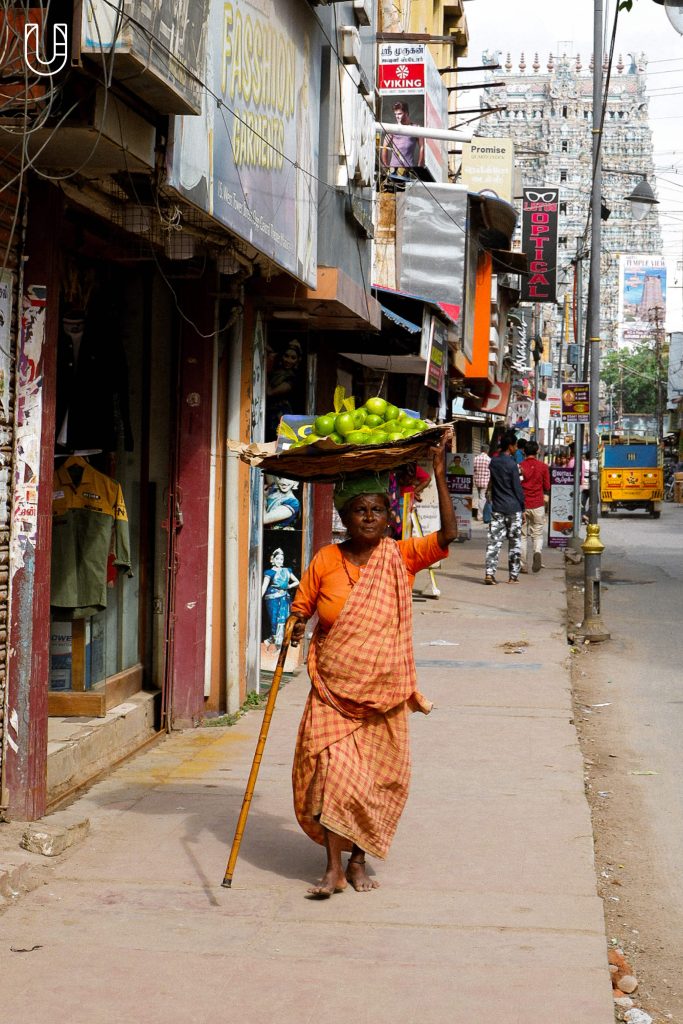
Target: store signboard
[
  {"x": 250, "y": 160},
  {"x": 487, "y": 166},
  {"x": 498, "y": 398},
  {"x": 437, "y": 359},
  {"x": 642, "y": 298},
  {"x": 561, "y": 510},
  {"x": 540, "y": 211},
  {"x": 460, "y": 481},
  {"x": 576, "y": 403},
  {"x": 412, "y": 92}
]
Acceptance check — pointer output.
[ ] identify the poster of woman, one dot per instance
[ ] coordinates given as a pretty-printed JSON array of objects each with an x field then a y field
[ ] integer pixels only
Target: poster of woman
[{"x": 278, "y": 583}]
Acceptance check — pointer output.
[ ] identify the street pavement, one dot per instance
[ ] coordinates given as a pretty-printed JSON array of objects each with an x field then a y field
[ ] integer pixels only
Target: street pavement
[{"x": 487, "y": 909}]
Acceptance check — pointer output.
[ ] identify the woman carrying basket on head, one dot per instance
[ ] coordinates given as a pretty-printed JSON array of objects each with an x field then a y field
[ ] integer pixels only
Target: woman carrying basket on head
[{"x": 352, "y": 761}]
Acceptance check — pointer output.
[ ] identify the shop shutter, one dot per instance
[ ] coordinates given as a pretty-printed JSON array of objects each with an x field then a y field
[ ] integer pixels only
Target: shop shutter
[{"x": 11, "y": 193}]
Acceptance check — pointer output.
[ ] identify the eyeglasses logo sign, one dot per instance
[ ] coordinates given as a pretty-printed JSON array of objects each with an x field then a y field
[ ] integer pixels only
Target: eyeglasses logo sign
[
  {"x": 541, "y": 197},
  {"x": 59, "y": 50}
]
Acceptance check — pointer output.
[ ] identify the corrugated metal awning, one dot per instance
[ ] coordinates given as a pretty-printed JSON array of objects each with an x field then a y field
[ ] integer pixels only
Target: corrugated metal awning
[
  {"x": 407, "y": 325},
  {"x": 451, "y": 310}
]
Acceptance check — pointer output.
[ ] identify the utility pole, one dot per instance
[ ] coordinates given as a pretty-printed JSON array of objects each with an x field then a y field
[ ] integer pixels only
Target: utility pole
[
  {"x": 580, "y": 371},
  {"x": 592, "y": 626},
  {"x": 659, "y": 405}
]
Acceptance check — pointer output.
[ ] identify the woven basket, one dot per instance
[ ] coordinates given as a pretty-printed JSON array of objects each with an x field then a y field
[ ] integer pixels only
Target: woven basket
[{"x": 326, "y": 462}]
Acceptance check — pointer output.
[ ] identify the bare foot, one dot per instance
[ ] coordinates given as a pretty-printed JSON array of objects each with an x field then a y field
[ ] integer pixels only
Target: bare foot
[
  {"x": 359, "y": 878},
  {"x": 333, "y": 881}
]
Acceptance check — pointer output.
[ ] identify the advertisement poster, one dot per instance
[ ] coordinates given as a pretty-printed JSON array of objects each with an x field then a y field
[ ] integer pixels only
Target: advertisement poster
[
  {"x": 487, "y": 166},
  {"x": 411, "y": 92},
  {"x": 561, "y": 510},
  {"x": 540, "y": 211},
  {"x": 6, "y": 285},
  {"x": 250, "y": 158},
  {"x": 554, "y": 397},
  {"x": 576, "y": 403},
  {"x": 642, "y": 297},
  {"x": 460, "y": 480}
]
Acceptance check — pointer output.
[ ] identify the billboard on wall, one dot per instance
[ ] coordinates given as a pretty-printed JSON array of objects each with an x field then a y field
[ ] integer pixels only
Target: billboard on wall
[
  {"x": 157, "y": 47},
  {"x": 251, "y": 158},
  {"x": 642, "y": 297},
  {"x": 540, "y": 211},
  {"x": 412, "y": 92},
  {"x": 487, "y": 166}
]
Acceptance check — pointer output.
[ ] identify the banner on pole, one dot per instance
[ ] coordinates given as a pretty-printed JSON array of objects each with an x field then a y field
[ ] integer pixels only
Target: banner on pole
[{"x": 576, "y": 403}]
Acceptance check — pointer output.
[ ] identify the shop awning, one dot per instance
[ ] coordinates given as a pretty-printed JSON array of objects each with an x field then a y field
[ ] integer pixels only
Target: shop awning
[
  {"x": 451, "y": 310},
  {"x": 407, "y": 325},
  {"x": 388, "y": 364}
]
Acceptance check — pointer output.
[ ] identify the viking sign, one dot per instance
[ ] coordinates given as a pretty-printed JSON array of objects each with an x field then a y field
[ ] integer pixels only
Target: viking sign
[{"x": 540, "y": 207}]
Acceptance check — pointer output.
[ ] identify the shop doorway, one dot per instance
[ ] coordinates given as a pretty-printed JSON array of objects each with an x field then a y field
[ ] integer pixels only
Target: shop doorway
[{"x": 114, "y": 436}]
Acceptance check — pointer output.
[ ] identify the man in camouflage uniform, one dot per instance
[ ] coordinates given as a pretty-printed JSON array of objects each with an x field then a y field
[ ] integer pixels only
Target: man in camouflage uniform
[{"x": 507, "y": 501}]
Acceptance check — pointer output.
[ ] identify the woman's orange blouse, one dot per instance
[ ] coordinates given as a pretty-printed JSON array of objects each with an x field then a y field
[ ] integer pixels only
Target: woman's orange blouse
[{"x": 328, "y": 581}]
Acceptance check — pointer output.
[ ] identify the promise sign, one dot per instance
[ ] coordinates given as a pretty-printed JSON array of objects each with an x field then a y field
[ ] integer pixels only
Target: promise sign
[{"x": 540, "y": 208}]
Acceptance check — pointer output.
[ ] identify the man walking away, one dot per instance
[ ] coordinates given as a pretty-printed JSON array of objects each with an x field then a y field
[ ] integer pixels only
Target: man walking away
[
  {"x": 520, "y": 451},
  {"x": 535, "y": 484},
  {"x": 482, "y": 476},
  {"x": 507, "y": 502}
]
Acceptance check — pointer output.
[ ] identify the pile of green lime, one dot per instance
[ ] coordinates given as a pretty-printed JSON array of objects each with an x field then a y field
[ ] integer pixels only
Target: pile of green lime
[{"x": 376, "y": 422}]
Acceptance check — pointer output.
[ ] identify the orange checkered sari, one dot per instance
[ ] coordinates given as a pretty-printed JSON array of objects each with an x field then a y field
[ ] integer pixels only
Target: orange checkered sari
[{"x": 352, "y": 761}]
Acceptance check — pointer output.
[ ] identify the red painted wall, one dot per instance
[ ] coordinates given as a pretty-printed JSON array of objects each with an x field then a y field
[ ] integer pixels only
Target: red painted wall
[{"x": 193, "y": 478}]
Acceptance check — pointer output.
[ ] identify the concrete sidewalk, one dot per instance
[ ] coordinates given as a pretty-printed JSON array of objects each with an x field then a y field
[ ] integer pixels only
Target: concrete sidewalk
[{"x": 488, "y": 909}]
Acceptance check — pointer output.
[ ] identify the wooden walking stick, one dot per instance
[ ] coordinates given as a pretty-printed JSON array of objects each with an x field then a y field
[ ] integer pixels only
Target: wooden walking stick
[{"x": 256, "y": 763}]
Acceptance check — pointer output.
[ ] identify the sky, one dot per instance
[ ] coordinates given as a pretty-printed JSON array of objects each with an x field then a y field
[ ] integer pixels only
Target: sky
[{"x": 551, "y": 25}]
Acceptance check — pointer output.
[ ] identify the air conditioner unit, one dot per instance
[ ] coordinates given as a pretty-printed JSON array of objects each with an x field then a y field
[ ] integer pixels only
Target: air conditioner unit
[
  {"x": 363, "y": 11},
  {"x": 350, "y": 44}
]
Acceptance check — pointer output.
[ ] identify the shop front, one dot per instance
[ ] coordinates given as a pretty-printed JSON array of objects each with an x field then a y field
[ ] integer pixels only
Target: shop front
[{"x": 110, "y": 483}]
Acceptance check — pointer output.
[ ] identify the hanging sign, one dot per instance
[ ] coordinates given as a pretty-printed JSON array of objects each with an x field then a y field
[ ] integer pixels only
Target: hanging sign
[
  {"x": 576, "y": 403},
  {"x": 438, "y": 355},
  {"x": 540, "y": 209}
]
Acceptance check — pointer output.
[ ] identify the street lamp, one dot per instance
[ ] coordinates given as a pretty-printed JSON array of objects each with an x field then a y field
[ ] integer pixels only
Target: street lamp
[
  {"x": 674, "y": 12},
  {"x": 642, "y": 198}
]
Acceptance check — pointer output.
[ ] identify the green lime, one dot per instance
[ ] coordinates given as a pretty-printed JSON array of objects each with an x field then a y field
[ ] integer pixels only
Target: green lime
[
  {"x": 373, "y": 421},
  {"x": 344, "y": 424},
  {"x": 324, "y": 425},
  {"x": 376, "y": 406}
]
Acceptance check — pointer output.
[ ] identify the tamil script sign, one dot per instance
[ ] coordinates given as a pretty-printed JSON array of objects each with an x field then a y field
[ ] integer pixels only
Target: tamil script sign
[
  {"x": 575, "y": 403},
  {"x": 487, "y": 166},
  {"x": 540, "y": 209}
]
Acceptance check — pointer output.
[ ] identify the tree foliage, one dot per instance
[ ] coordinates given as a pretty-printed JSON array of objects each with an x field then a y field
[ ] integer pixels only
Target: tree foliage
[{"x": 633, "y": 376}]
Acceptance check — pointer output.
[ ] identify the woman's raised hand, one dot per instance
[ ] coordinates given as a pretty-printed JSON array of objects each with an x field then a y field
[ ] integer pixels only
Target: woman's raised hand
[{"x": 298, "y": 632}]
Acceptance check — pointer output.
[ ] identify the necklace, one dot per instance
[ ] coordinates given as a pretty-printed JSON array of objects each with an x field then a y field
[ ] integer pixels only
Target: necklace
[{"x": 349, "y": 577}]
